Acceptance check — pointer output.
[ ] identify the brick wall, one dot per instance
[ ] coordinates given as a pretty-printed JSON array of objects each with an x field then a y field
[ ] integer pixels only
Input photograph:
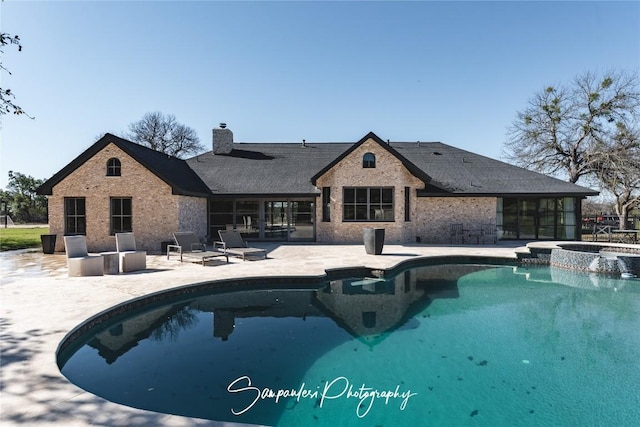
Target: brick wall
[
  {"x": 156, "y": 212},
  {"x": 430, "y": 216},
  {"x": 436, "y": 214},
  {"x": 389, "y": 171}
]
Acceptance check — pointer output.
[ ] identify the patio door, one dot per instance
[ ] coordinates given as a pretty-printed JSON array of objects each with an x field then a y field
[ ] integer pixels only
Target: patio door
[
  {"x": 289, "y": 220},
  {"x": 276, "y": 221}
]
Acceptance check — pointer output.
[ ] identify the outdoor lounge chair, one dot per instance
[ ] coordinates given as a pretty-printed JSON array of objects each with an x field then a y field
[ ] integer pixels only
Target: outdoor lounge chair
[
  {"x": 232, "y": 243},
  {"x": 79, "y": 261},
  {"x": 188, "y": 245},
  {"x": 130, "y": 258}
]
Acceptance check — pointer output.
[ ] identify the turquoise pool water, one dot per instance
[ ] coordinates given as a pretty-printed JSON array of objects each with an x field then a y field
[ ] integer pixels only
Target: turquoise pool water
[{"x": 448, "y": 345}]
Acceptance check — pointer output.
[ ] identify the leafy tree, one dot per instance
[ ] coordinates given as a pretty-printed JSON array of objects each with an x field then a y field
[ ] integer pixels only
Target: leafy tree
[
  {"x": 7, "y": 104},
  {"x": 617, "y": 164},
  {"x": 163, "y": 133},
  {"x": 563, "y": 126},
  {"x": 24, "y": 204}
]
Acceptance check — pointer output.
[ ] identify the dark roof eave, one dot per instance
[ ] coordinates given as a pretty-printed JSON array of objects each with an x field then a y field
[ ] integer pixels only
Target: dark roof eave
[
  {"x": 551, "y": 194},
  {"x": 261, "y": 195}
]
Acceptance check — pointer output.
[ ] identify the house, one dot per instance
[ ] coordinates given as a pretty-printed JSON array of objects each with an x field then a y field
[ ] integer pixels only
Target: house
[{"x": 323, "y": 192}]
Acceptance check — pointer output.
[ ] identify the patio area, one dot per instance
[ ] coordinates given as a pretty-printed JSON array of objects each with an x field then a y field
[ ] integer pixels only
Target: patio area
[{"x": 40, "y": 305}]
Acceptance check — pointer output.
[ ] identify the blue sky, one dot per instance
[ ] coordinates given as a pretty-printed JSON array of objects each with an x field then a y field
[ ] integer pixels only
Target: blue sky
[{"x": 454, "y": 72}]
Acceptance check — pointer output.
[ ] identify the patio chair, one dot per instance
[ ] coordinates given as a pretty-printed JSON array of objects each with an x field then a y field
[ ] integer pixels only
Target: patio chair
[
  {"x": 232, "y": 243},
  {"x": 79, "y": 262},
  {"x": 456, "y": 232},
  {"x": 188, "y": 245},
  {"x": 131, "y": 259}
]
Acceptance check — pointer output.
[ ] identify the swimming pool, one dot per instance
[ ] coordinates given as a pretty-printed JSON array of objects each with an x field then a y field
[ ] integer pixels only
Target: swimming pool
[{"x": 438, "y": 345}]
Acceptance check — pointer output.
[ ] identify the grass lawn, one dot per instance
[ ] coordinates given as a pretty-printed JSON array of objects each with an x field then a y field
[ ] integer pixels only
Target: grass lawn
[{"x": 21, "y": 237}]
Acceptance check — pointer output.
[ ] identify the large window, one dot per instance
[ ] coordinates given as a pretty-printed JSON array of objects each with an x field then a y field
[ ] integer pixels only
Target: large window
[
  {"x": 121, "y": 215},
  {"x": 368, "y": 204},
  {"x": 542, "y": 219},
  {"x": 75, "y": 216}
]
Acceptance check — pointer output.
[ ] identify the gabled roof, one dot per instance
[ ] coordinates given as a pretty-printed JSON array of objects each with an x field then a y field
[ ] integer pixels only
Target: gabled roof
[
  {"x": 417, "y": 172},
  {"x": 172, "y": 170}
]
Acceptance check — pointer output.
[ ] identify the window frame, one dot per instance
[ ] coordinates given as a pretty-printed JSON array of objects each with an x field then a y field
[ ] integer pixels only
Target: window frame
[
  {"x": 364, "y": 205},
  {"x": 118, "y": 221},
  {"x": 114, "y": 167},
  {"x": 369, "y": 161},
  {"x": 78, "y": 218},
  {"x": 326, "y": 204}
]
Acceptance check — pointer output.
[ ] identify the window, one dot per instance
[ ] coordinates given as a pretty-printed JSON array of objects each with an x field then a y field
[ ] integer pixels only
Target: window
[
  {"x": 121, "y": 221},
  {"x": 113, "y": 167},
  {"x": 326, "y": 204},
  {"x": 367, "y": 204},
  {"x": 407, "y": 206},
  {"x": 369, "y": 160},
  {"x": 75, "y": 216}
]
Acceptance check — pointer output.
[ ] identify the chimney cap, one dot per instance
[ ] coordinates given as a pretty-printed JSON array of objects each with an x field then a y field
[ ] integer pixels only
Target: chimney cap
[{"x": 223, "y": 125}]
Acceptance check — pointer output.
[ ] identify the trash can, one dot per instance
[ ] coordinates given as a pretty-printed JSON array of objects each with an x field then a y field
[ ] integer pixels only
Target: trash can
[
  {"x": 48, "y": 243},
  {"x": 373, "y": 240}
]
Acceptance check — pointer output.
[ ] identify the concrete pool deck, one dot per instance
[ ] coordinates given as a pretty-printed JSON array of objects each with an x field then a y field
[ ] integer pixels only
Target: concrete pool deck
[{"x": 39, "y": 305}]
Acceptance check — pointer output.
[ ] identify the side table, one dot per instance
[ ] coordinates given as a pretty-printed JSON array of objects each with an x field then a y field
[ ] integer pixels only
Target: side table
[{"x": 111, "y": 262}]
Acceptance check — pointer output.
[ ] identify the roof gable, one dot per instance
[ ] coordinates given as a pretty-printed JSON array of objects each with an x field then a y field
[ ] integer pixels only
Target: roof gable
[
  {"x": 413, "y": 169},
  {"x": 172, "y": 170}
]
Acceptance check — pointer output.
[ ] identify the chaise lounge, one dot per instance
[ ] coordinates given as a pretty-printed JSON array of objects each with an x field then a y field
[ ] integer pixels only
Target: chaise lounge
[
  {"x": 232, "y": 243},
  {"x": 188, "y": 245}
]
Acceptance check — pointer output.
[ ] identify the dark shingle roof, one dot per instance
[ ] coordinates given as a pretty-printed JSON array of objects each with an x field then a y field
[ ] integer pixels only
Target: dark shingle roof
[
  {"x": 457, "y": 172},
  {"x": 286, "y": 169},
  {"x": 265, "y": 168},
  {"x": 172, "y": 170},
  {"x": 253, "y": 169}
]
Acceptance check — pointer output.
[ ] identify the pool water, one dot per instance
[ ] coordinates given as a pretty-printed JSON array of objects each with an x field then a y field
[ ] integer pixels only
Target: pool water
[{"x": 448, "y": 345}]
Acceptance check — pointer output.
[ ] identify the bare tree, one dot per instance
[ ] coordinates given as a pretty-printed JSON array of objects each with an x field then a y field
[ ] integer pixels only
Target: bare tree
[
  {"x": 163, "y": 133},
  {"x": 7, "y": 104},
  {"x": 617, "y": 164},
  {"x": 560, "y": 130}
]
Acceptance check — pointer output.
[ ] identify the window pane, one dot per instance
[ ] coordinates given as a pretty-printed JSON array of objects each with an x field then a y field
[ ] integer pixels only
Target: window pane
[
  {"x": 116, "y": 207},
  {"x": 70, "y": 206},
  {"x": 361, "y": 195},
  {"x": 361, "y": 213},
  {"x": 349, "y": 195},
  {"x": 126, "y": 224},
  {"x": 349, "y": 212},
  {"x": 126, "y": 206},
  {"x": 376, "y": 195},
  {"x": 387, "y": 195}
]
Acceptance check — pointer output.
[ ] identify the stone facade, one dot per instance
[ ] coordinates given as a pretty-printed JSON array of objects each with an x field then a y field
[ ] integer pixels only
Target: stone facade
[
  {"x": 156, "y": 212},
  {"x": 430, "y": 217}
]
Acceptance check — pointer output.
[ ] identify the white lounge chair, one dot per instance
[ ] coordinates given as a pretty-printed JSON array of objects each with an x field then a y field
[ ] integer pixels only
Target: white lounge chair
[
  {"x": 131, "y": 259},
  {"x": 232, "y": 243},
  {"x": 79, "y": 262},
  {"x": 189, "y": 246}
]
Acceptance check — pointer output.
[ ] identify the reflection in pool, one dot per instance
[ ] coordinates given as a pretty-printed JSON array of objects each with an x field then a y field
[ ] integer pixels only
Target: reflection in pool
[{"x": 436, "y": 345}]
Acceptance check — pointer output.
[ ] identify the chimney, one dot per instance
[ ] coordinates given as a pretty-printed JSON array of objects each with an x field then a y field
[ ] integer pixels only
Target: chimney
[{"x": 222, "y": 140}]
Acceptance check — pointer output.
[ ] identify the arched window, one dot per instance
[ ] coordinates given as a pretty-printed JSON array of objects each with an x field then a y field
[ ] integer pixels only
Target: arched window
[
  {"x": 113, "y": 167},
  {"x": 369, "y": 160}
]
